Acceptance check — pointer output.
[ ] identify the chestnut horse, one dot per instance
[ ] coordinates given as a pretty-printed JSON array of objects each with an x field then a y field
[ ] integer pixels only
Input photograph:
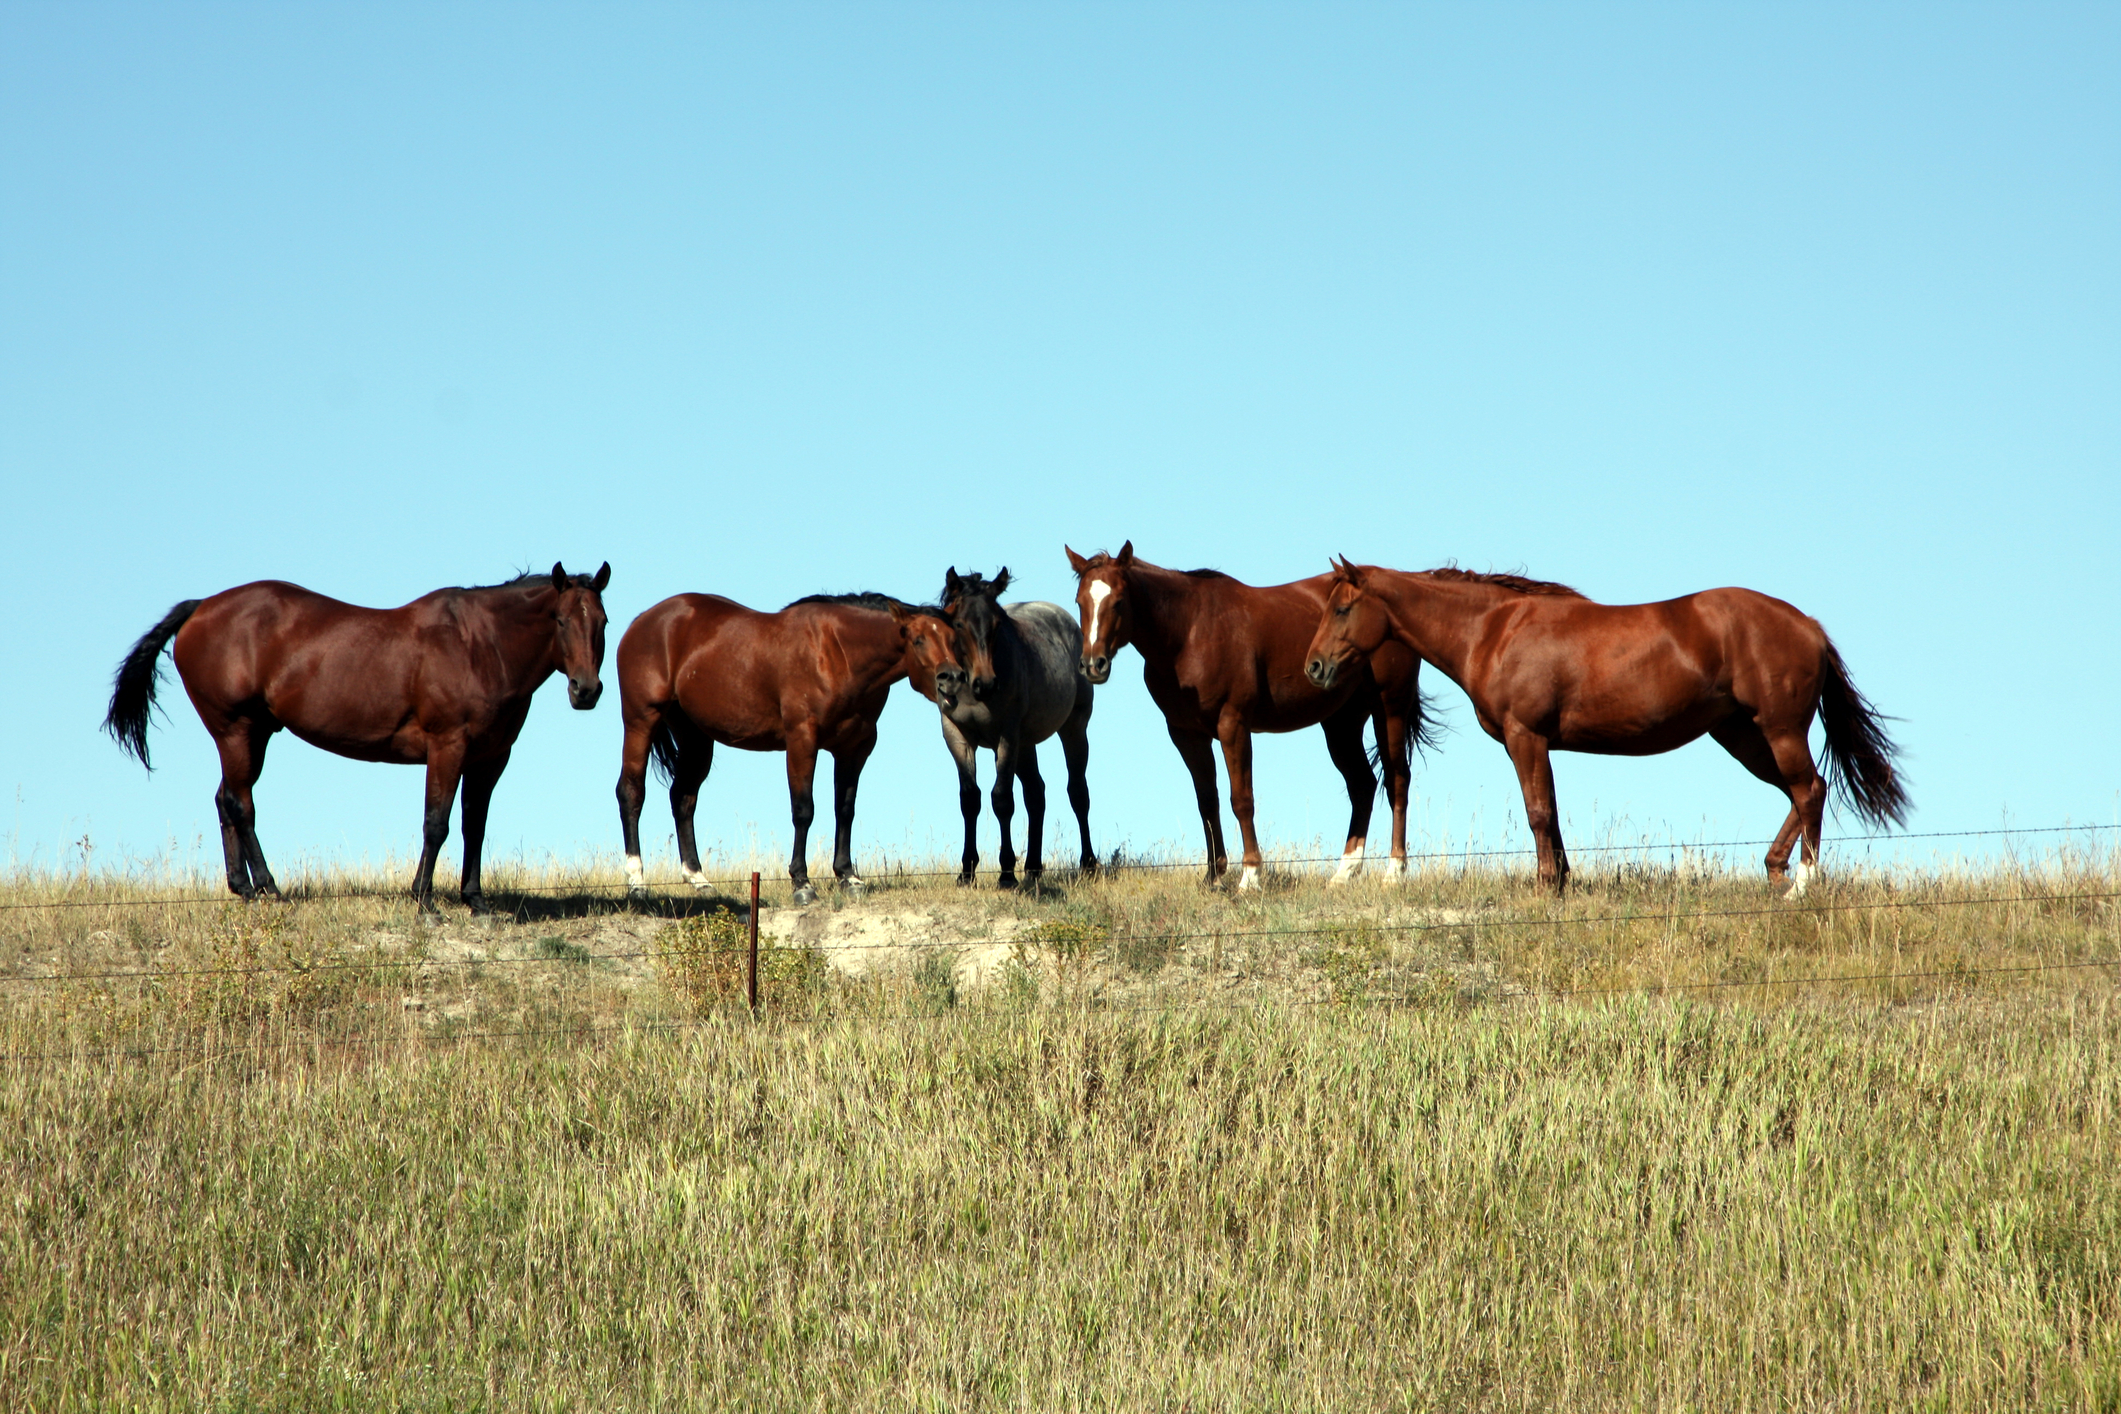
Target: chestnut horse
[
  {"x": 698, "y": 669},
  {"x": 1224, "y": 660},
  {"x": 1549, "y": 670},
  {"x": 1026, "y": 684},
  {"x": 445, "y": 681}
]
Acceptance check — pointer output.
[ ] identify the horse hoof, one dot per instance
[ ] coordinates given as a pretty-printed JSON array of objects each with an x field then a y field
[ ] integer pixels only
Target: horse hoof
[
  {"x": 853, "y": 887},
  {"x": 1006, "y": 881},
  {"x": 478, "y": 905},
  {"x": 964, "y": 880},
  {"x": 804, "y": 894}
]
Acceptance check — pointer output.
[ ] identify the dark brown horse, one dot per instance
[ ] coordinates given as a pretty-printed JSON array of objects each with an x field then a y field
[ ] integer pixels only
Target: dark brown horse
[
  {"x": 1549, "y": 670},
  {"x": 445, "y": 681},
  {"x": 698, "y": 669},
  {"x": 1026, "y": 684},
  {"x": 1224, "y": 660}
]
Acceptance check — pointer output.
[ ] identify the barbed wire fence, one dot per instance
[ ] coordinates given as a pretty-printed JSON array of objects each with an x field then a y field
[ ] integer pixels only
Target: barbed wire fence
[{"x": 597, "y": 1033}]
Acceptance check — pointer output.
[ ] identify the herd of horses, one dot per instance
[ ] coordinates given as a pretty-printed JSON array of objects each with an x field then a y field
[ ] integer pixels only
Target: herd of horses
[{"x": 446, "y": 682}]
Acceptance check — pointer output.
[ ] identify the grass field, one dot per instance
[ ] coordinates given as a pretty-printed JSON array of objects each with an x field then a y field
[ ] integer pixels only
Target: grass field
[{"x": 1672, "y": 1143}]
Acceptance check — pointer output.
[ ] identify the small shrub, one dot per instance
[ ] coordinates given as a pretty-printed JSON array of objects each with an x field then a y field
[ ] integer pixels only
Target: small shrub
[
  {"x": 702, "y": 958},
  {"x": 560, "y": 950}
]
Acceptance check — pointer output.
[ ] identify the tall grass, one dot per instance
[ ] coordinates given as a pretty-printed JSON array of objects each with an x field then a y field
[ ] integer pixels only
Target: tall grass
[{"x": 327, "y": 1158}]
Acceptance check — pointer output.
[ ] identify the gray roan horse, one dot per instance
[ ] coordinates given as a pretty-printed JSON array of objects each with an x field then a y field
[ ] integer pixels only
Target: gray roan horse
[{"x": 1024, "y": 686}]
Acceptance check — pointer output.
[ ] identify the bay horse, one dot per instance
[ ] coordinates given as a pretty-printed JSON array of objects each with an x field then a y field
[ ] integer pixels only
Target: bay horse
[
  {"x": 1223, "y": 660},
  {"x": 1025, "y": 685},
  {"x": 1549, "y": 670},
  {"x": 698, "y": 669},
  {"x": 445, "y": 681}
]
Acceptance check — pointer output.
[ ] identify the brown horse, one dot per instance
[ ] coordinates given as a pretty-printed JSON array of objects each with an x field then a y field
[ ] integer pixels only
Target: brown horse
[
  {"x": 1224, "y": 660},
  {"x": 698, "y": 669},
  {"x": 1549, "y": 670},
  {"x": 446, "y": 681}
]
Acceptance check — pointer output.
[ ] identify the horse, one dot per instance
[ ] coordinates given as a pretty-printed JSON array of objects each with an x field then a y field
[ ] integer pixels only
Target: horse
[
  {"x": 445, "y": 681},
  {"x": 1550, "y": 670},
  {"x": 698, "y": 669},
  {"x": 1223, "y": 660},
  {"x": 1025, "y": 685}
]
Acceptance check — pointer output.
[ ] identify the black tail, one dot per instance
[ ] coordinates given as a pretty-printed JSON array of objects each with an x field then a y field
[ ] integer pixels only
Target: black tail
[
  {"x": 132, "y": 695},
  {"x": 663, "y": 750},
  {"x": 1859, "y": 755},
  {"x": 1424, "y": 731}
]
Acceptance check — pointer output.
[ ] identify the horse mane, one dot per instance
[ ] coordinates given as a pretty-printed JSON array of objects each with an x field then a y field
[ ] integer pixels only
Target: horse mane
[
  {"x": 1103, "y": 558},
  {"x": 530, "y": 578},
  {"x": 1515, "y": 583},
  {"x": 869, "y": 599}
]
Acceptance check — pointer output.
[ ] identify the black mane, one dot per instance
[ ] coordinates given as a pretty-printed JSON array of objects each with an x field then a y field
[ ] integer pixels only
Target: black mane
[{"x": 869, "y": 599}]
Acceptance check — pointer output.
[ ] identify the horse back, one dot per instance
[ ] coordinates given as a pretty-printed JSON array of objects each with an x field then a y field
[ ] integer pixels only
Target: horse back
[
  {"x": 1245, "y": 646},
  {"x": 1050, "y": 675}
]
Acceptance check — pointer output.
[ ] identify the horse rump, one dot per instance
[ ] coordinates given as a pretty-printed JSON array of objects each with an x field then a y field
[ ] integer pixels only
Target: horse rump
[{"x": 132, "y": 696}]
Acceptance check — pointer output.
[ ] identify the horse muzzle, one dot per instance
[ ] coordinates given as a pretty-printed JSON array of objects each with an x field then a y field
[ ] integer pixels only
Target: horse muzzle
[
  {"x": 582, "y": 697},
  {"x": 950, "y": 685},
  {"x": 1097, "y": 667},
  {"x": 1322, "y": 672}
]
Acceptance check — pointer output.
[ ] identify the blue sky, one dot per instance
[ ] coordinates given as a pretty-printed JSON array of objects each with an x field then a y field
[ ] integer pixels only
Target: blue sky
[{"x": 772, "y": 300}]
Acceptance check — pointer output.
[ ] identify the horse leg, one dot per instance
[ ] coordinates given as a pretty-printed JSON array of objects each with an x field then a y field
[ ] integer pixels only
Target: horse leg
[
  {"x": 1391, "y": 729},
  {"x": 1034, "y": 813},
  {"x": 1344, "y": 743},
  {"x": 847, "y": 762},
  {"x": 1075, "y": 749},
  {"x": 1793, "y": 773},
  {"x": 242, "y": 749},
  {"x": 967, "y": 757},
  {"x": 1003, "y": 796},
  {"x": 479, "y": 780},
  {"x": 1197, "y": 750},
  {"x": 1237, "y": 760},
  {"x": 445, "y": 767},
  {"x": 633, "y": 793},
  {"x": 695, "y": 760},
  {"x": 802, "y": 809},
  {"x": 1535, "y": 777}
]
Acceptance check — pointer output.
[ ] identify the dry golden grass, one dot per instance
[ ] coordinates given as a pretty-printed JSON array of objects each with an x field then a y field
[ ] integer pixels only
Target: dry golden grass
[{"x": 1125, "y": 1144}]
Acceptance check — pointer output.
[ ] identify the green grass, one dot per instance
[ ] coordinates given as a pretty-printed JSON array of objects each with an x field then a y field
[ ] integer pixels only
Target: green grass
[{"x": 1375, "y": 1169}]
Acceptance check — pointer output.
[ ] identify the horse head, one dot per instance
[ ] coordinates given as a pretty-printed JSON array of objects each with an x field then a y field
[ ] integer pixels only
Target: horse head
[
  {"x": 1352, "y": 626},
  {"x": 1107, "y": 612},
  {"x": 578, "y": 635},
  {"x": 973, "y": 603},
  {"x": 931, "y": 653}
]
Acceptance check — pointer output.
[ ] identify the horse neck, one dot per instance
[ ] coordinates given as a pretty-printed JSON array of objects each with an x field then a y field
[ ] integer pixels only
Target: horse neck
[
  {"x": 877, "y": 653},
  {"x": 1438, "y": 619},
  {"x": 1166, "y": 602},
  {"x": 526, "y": 635}
]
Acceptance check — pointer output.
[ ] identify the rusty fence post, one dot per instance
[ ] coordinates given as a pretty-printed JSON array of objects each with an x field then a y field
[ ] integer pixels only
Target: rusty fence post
[{"x": 751, "y": 967}]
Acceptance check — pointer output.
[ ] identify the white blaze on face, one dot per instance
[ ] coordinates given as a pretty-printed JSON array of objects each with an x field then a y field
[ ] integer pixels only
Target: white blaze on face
[
  {"x": 636, "y": 877},
  {"x": 1350, "y": 864},
  {"x": 1099, "y": 593}
]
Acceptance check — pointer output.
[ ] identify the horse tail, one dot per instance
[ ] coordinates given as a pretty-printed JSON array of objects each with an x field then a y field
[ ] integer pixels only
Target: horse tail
[
  {"x": 663, "y": 750},
  {"x": 132, "y": 695},
  {"x": 1859, "y": 755},
  {"x": 1424, "y": 732}
]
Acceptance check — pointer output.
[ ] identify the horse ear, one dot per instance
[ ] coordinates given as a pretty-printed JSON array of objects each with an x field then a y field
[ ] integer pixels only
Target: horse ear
[
  {"x": 559, "y": 576},
  {"x": 603, "y": 577},
  {"x": 900, "y": 614},
  {"x": 1076, "y": 562},
  {"x": 1001, "y": 581},
  {"x": 1125, "y": 557},
  {"x": 950, "y": 581}
]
